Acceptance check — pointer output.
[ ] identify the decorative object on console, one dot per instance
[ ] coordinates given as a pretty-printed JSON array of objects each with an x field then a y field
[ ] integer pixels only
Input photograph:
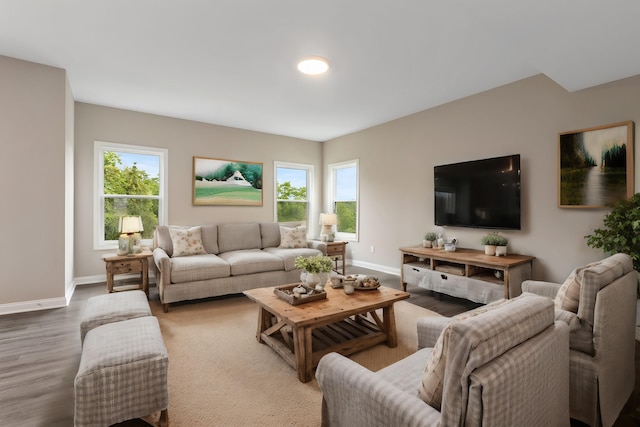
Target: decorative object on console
[
  {"x": 327, "y": 221},
  {"x": 605, "y": 152},
  {"x": 129, "y": 228},
  {"x": 428, "y": 240},
  {"x": 451, "y": 246},
  {"x": 494, "y": 244},
  {"x": 226, "y": 182}
]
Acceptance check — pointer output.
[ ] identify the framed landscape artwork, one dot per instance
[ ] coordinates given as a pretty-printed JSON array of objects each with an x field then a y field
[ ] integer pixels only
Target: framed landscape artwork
[
  {"x": 226, "y": 182},
  {"x": 595, "y": 166}
]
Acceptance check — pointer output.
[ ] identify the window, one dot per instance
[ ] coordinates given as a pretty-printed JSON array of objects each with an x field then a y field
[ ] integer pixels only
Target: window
[
  {"x": 343, "y": 179},
  {"x": 293, "y": 187},
  {"x": 129, "y": 180}
]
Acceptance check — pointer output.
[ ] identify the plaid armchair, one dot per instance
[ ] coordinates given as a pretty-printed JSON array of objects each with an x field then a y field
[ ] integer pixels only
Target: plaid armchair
[
  {"x": 598, "y": 302},
  {"x": 506, "y": 365}
]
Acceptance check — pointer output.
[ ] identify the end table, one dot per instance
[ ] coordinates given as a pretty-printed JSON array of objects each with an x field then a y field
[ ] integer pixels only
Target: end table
[
  {"x": 125, "y": 264},
  {"x": 337, "y": 251}
]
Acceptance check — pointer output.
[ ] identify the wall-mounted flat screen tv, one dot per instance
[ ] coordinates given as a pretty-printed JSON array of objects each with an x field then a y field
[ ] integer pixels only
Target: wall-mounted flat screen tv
[{"x": 480, "y": 193}]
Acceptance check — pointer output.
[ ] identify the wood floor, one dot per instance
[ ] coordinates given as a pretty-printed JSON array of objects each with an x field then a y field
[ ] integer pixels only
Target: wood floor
[{"x": 40, "y": 354}]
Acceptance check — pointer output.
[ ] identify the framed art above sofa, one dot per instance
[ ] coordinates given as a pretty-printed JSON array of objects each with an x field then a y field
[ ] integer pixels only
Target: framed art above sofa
[{"x": 226, "y": 182}]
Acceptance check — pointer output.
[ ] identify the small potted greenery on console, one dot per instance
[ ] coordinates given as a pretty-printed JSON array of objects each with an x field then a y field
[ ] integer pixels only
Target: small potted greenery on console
[
  {"x": 490, "y": 241},
  {"x": 427, "y": 242},
  {"x": 501, "y": 245}
]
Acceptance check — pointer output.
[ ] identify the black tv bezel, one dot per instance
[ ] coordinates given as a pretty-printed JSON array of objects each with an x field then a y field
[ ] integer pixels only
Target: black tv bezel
[{"x": 481, "y": 226}]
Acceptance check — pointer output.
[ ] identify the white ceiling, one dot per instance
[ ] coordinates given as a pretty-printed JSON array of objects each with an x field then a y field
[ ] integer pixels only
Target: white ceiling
[{"x": 233, "y": 62}]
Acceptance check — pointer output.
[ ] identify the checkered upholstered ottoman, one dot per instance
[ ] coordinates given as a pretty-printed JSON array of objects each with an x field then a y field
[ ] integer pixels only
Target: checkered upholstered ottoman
[
  {"x": 113, "y": 307},
  {"x": 122, "y": 374}
]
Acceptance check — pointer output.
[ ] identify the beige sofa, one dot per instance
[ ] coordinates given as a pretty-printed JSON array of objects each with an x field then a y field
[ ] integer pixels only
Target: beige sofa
[{"x": 232, "y": 258}]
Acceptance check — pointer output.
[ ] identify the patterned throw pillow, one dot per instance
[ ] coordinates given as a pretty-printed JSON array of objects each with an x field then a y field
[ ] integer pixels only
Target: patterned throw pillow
[
  {"x": 186, "y": 241},
  {"x": 293, "y": 237},
  {"x": 568, "y": 296},
  {"x": 432, "y": 384}
]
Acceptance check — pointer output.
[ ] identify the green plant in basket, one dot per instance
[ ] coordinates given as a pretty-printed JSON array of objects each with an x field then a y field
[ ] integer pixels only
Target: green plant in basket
[{"x": 314, "y": 264}]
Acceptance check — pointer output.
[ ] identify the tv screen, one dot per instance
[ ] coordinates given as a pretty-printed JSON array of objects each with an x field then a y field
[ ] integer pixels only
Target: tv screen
[{"x": 480, "y": 194}]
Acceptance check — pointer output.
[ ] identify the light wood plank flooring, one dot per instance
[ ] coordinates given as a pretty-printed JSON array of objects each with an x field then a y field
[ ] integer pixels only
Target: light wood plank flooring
[{"x": 40, "y": 354}]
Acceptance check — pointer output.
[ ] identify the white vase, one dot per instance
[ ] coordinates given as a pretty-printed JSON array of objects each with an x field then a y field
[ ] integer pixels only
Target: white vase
[
  {"x": 317, "y": 280},
  {"x": 501, "y": 250}
]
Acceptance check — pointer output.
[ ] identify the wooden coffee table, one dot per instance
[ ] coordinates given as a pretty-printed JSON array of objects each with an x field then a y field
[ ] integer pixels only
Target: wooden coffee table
[{"x": 346, "y": 324}]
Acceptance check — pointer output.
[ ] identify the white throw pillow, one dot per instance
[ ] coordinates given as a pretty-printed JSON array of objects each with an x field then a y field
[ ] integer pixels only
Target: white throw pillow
[
  {"x": 187, "y": 241},
  {"x": 293, "y": 237}
]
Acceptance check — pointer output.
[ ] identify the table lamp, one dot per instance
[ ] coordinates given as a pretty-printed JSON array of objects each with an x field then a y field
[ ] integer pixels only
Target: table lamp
[
  {"x": 327, "y": 221},
  {"x": 128, "y": 227}
]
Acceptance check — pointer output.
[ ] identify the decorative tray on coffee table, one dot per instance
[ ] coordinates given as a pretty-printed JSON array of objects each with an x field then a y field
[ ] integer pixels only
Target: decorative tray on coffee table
[
  {"x": 285, "y": 292},
  {"x": 363, "y": 282}
]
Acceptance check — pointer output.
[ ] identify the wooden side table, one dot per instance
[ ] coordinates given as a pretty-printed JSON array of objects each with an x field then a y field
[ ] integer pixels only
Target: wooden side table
[
  {"x": 125, "y": 264},
  {"x": 338, "y": 251}
]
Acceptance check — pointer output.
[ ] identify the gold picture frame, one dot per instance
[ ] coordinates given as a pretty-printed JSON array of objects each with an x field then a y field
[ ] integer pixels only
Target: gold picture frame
[
  {"x": 226, "y": 182},
  {"x": 595, "y": 166}
]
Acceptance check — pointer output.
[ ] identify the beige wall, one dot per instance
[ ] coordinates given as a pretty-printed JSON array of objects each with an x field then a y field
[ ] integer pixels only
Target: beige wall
[
  {"x": 33, "y": 108},
  {"x": 46, "y": 173},
  {"x": 183, "y": 139},
  {"x": 397, "y": 160}
]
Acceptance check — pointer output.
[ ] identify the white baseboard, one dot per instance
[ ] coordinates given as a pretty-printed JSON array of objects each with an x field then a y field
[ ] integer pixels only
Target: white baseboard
[
  {"x": 34, "y": 305},
  {"x": 377, "y": 267}
]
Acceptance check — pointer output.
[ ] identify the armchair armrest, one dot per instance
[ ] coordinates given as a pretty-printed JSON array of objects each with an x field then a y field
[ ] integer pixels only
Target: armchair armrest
[
  {"x": 538, "y": 287},
  {"x": 316, "y": 244},
  {"x": 354, "y": 396},
  {"x": 162, "y": 263},
  {"x": 429, "y": 329}
]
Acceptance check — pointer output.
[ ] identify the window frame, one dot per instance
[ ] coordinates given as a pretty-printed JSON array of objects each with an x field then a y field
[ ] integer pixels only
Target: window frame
[
  {"x": 310, "y": 199},
  {"x": 99, "y": 148},
  {"x": 332, "y": 170}
]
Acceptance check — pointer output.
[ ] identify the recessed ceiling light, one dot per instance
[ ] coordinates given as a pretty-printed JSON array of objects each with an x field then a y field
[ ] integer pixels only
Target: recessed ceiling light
[{"x": 313, "y": 65}]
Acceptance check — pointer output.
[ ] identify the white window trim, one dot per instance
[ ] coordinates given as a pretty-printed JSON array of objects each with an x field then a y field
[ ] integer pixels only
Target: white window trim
[
  {"x": 100, "y": 147},
  {"x": 310, "y": 199},
  {"x": 332, "y": 167}
]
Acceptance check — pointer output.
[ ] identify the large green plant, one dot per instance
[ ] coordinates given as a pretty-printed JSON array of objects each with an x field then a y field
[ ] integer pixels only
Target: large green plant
[{"x": 621, "y": 232}]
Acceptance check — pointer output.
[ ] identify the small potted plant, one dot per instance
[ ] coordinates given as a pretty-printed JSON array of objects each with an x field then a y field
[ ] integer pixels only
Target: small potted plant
[
  {"x": 317, "y": 268},
  {"x": 427, "y": 242},
  {"x": 490, "y": 241},
  {"x": 501, "y": 245}
]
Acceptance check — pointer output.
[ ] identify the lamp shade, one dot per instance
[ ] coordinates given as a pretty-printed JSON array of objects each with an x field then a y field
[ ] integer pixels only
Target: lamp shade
[
  {"x": 130, "y": 224},
  {"x": 328, "y": 219}
]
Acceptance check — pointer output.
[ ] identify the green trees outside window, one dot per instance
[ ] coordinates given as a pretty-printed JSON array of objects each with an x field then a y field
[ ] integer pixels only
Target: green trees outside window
[
  {"x": 129, "y": 190},
  {"x": 292, "y": 202}
]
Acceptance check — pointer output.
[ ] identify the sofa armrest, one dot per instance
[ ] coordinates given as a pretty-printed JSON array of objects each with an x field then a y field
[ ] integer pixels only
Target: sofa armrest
[
  {"x": 162, "y": 263},
  {"x": 316, "y": 244},
  {"x": 354, "y": 396},
  {"x": 429, "y": 329},
  {"x": 538, "y": 287}
]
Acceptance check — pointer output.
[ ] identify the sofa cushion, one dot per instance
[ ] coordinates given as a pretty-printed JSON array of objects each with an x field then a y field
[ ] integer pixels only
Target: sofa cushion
[
  {"x": 187, "y": 241},
  {"x": 289, "y": 255},
  {"x": 251, "y": 261},
  {"x": 233, "y": 237},
  {"x": 292, "y": 238},
  {"x": 198, "y": 267},
  {"x": 270, "y": 233},
  {"x": 210, "y": 238},
  {"x": 432, "y": 384}
]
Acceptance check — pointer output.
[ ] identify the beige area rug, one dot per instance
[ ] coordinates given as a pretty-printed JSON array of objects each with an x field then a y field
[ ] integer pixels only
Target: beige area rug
[{"x": 219, "y": 375}]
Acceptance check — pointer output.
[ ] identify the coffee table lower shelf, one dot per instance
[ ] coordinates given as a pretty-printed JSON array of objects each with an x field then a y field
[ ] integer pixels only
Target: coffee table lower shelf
[{"x": 346, "y": 337}]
